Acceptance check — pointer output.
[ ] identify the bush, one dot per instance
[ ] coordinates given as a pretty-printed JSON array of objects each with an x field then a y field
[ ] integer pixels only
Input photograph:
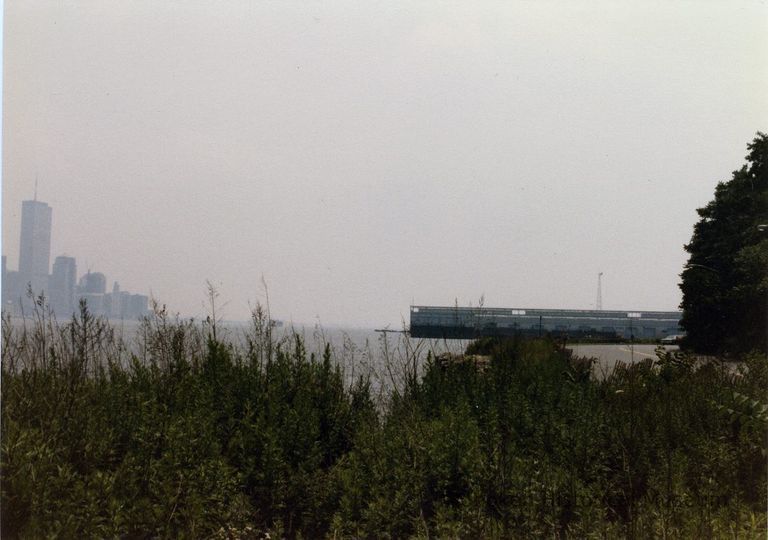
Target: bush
[{"x": 188, "y": 434}]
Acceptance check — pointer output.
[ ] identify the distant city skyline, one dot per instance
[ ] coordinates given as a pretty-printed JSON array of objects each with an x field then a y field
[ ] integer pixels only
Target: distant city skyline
[{"x": 60, "y": 287}]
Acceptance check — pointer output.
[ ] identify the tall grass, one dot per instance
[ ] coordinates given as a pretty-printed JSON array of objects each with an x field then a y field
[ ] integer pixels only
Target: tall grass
[{"x": 188, "y": 433}]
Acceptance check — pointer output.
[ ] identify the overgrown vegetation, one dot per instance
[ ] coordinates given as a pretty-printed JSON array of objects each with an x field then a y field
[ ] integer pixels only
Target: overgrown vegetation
[{"x": 188, "y": 435}]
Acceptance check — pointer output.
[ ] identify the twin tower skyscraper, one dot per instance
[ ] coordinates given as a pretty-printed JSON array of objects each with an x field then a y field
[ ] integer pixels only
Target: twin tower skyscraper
[
  {"x": 60, "y": 287},
  {"x": 34, "y": 258},
  {"x": 35, "y": 244}
]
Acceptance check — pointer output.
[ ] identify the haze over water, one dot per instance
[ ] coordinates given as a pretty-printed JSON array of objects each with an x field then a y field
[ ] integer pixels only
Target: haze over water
[{"x": 365, "y": 157}]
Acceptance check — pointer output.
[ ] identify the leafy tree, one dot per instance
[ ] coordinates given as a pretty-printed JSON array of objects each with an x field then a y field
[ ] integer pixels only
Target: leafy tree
[{"x": 725, "y": 283}]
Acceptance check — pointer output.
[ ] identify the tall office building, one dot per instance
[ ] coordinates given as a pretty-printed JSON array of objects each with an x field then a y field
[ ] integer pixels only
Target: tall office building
[
  {"x": 4, "y": 283},
  {"x": 93, "y": 283},
  {"x": 35, "y": 245},
  {"x": 62, "y": 286},
  {"x": 92, "y": 289}
]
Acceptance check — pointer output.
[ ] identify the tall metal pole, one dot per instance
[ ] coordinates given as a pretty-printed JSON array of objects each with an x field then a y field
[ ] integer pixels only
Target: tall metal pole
[{"x": 599, "y": 301}]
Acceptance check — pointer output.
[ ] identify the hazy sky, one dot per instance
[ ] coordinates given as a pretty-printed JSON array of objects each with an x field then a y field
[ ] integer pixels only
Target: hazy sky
[{"x": 363, "y": 156}]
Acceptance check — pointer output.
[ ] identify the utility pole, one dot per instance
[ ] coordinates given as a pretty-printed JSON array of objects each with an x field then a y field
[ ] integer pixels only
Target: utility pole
[{"x": 599, "y": 301}]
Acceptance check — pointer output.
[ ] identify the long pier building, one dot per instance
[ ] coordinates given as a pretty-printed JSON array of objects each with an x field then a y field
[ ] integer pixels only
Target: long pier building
[{"x": 468, "y": 322}]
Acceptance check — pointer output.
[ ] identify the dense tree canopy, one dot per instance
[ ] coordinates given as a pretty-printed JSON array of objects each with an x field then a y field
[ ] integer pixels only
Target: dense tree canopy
[{"x": 725, "y": 283}]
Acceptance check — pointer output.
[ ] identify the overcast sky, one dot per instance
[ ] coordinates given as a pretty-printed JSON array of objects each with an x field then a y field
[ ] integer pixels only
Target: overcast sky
[{"x": 364, "y": 156}]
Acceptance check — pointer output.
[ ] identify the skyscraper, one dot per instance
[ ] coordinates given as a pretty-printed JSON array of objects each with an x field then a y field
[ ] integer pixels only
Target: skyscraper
[
  {"x": 35, "y": 245},
  {"x": 62, "y": 285},
  {"x": 92, "y": 289},
  {"x": 4, "y": 282},
  {"x": 93, "y": 283}
]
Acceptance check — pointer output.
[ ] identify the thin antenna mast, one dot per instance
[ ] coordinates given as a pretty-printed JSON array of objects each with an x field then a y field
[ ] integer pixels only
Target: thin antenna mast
[
  {"x": 35, "y": 187},
  {"x": 599, "y": 301}
]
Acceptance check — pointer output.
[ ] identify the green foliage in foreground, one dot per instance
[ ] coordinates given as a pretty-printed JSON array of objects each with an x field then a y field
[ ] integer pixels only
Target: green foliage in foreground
[{"x": 196, "y": 438}]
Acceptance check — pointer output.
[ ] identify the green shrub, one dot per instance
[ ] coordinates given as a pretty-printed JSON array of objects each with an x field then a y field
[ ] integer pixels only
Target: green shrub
[{"x": 189, "y": 435}]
